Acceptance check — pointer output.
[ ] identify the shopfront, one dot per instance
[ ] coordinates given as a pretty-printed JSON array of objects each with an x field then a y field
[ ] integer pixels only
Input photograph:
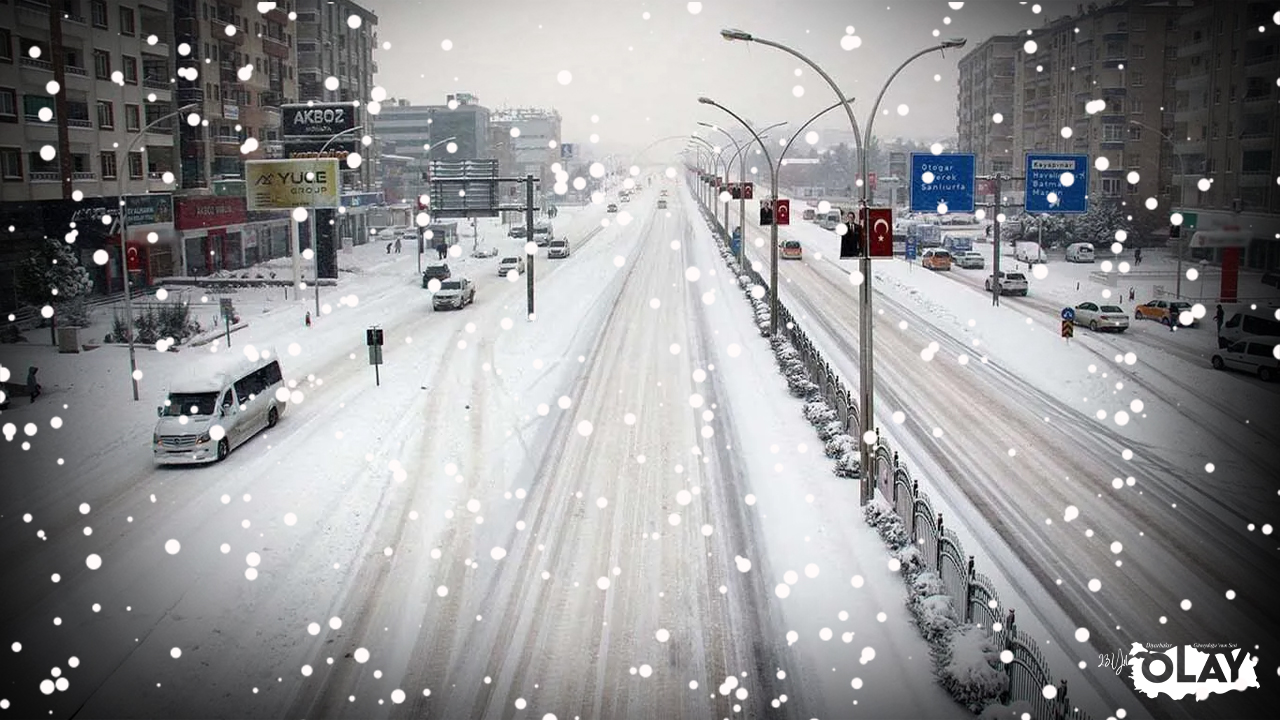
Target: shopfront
[
  {"x": 211, "y": 229},
  {"x": 354, "y": 218}
]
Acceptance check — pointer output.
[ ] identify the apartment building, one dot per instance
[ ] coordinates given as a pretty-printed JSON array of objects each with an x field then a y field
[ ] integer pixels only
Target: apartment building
[
  {"x": 533, "y": 148},
  {"x": 1225, "y": 126},
  {"x": 116, "y": 56},
  {"x": 985, "y": 107}
]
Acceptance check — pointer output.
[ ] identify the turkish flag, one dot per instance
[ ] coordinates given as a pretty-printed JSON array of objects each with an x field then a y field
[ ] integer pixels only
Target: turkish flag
[
  {"x": 879, "y": 224},
  {"x": 782, "y": 212}
]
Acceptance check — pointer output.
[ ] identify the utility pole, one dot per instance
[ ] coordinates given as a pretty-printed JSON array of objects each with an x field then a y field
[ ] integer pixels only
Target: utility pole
[
  {"x": 995, "y": 244},
  {"x": 528, "y": 236}
]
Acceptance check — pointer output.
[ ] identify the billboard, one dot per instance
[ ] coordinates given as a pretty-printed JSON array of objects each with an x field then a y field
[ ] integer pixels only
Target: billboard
[
  {"x": 317, "y": 120},
  {"x": 286, "y": 184}
]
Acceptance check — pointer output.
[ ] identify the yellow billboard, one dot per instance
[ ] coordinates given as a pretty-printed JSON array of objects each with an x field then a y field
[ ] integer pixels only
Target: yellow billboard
[{"x": 287, "y": 184}]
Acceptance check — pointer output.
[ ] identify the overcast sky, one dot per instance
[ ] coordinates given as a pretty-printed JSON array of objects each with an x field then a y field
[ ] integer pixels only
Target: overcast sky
[{"x": 642, "y": 77}]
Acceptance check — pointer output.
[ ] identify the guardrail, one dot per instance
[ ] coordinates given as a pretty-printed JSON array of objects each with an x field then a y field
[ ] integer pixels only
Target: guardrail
[{"x": 927, "y": 539}]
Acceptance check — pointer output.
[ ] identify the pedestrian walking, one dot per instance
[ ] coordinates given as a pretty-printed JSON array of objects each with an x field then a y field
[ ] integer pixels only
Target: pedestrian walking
[
  {"x": 1218, "y": 316},
  {"x": 1131, "y": 294},
  {"x": 389, "y": 248},
  {"x": 33, "y": 387},
  {"x": 397, "y": 245},
  {"x": 308, "y": 318},
  {"x": 1137, "y": 256}
]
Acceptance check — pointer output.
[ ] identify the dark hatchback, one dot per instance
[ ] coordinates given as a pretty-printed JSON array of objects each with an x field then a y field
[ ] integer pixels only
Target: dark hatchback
[{"x": 436, "y": 272}]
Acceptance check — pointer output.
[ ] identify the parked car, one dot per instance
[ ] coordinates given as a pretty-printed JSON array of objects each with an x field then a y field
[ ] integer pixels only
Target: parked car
[
  {"x": 516, "y": 231},
  {"x": 1163, "y": 311},
  {"x": 1101, "y": 317},
  {"x": 1080, "y": 252},
  {"x": 1011, "y": 283},
  {"x": 439, "y": 271},
  {"x": 1030, "y": 252},
  {"x": 790, "y": 249},
  {"x": 558, "y": 249},
  {"x": 1244, "y": 321},
  {"x": 613, "y": 207},
  {"x": 970, "y": 259},
  {"x": 485, "y": 252},
  {"x": 507, "y": 264},
  {"x": 662, "y": 204},
  {"x": 1251, "y": 355},
  {"x": 454, "y": 293},
  {"x": 935, "y": 259}
]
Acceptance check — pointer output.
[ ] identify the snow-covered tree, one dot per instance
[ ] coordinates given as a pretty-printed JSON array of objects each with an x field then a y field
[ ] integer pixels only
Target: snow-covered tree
[
  {"x": 1099, "y": 225},
  {"x": 53, "y": 275}
]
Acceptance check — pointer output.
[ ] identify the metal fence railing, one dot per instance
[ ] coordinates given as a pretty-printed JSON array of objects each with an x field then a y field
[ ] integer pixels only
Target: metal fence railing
[{"x": 940, "y": 548}]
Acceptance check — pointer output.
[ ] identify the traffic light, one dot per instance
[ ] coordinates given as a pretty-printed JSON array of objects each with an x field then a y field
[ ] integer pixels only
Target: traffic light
[{"x": 1175, "y": 232}]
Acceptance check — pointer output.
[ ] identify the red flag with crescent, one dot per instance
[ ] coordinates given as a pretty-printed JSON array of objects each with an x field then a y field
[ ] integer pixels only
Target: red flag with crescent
[{"x": 880, "y": 230}]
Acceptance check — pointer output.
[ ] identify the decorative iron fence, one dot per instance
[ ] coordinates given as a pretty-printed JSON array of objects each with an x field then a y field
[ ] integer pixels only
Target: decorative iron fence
[{"x": 940, "y": 548}]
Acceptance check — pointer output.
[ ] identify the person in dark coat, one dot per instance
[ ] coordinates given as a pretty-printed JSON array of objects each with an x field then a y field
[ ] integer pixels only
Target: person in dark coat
[
  {"x": 1218, "y": 316},
  {"x": 33, "y": 387}
]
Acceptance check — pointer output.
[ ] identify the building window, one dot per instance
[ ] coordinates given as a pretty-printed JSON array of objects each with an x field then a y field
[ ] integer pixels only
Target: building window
[
  {"x": 8, "y": 104},
  {"x": 6, "y": 46},
  {"x": 130, "y": 69},
  {"x": 132, "y": 118},
  {"x": 1135, "y": 79},
  {"x": 1139, "y": 51},
  {"x": 1110, "y": 187},
  {"x": 1135, "y": 105},
  {"x": 98, "y": 9},
  {"x": 1135, "y": 132},
  {"x": 108, "y": 162},
  {"x": 11, "y": 163},
  {"x": 1112, "y": 132},
  {"x": 135, "y": 166},
  {"x": 37, "y": 164},
  {"x": 106, "y": 115},
  {"x": 32, "y": 104},
  {"x": 126, "y": 21},
  {"x": 102, "y": 64}
]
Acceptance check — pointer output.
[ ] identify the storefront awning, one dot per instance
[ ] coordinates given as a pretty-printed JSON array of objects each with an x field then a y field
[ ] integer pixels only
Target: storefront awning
[{"x": 1220, "y": 239}]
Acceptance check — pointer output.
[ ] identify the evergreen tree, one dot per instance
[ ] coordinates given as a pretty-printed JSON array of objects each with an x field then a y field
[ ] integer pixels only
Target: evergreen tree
[
  {"x": 53, "y": 275},
  {"x": 1099, "y": 225}
]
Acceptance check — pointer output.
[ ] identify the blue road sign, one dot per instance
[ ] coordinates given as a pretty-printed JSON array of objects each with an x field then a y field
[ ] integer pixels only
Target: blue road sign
[
  {"x": 911, "y": 249},
  {"x": 1068, "y": 314},
  {"x": 942, "y": 180},
  {"x": 1057, "y": 183}
]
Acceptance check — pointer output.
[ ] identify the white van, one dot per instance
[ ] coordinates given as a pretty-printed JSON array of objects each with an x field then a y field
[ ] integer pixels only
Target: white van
[
  {"x": 1030, "y": 252},
  {"x": 829, "y": 220},
  {"x": 1080, "y": 252},
  {"x": 1244, "y": 320},
  {"x": 1254, "y": 355},
  {"x": 208, "y": 414}
]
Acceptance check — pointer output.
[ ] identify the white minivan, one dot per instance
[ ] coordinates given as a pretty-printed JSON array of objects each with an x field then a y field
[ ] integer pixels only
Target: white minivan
[
  {"x": 1244, "y": 321},
  {"x": 1254, "y": 355},
  {"x": 1080, "y": 252},
  {"x": 209, "y": 414}
]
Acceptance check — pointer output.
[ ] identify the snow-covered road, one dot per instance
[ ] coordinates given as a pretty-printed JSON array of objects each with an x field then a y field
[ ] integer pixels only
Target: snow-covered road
[
  {"x": 1015, "y": 449},
  {"x": 593, "y": 514}
]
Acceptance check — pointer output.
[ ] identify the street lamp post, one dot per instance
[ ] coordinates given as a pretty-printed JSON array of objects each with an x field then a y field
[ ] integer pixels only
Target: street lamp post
[
  {"x": 124, "y": 234},
  {"x": 713, "y": 154},
  {"x": 1182, "y": 172},
  {"x": 742, "y": 182},
  {"x": 866, "y": 407},
  {"x": 773, "y": 228},
  {"x": 719, "y": 164}
]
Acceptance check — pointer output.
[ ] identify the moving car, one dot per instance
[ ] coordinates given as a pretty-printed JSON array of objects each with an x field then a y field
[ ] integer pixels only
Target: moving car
[
  {"x": 507, "y": 264},
  {"x": 829, "y": 220},
  {"x": 558, "y": 249},
  {"x": 1101, "y": 317},
  {"x": 1080, "y": 252},
  {"x": 957, "y": 244},
  {"x": 542, "y": 232},
  {"x": 516, "y": 231},
  {"x": 970, "y": 259},
  {"x": 439, "y": 271},
  {"x": 206, "y": 416},
  {"x": 1163, "y": 311},
  {"x": 613, "y": 207},
  {"x": 1252, "y": 355},
  {"x": 1011, "y": 283},
  {"x": 662, "y": 204},
  {"x": 1244, "y": 321},
  {"x": 809, "y": 214},
  {"x": 454, "y": 293},
  {"x": 485, "y": 252},
  {"x": 790, "y": 249},
  {"x": 935, "y": 259}
]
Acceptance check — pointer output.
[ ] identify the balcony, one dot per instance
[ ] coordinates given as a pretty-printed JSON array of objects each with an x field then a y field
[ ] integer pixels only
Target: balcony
[
  {"x": 84, "y": 176},
  {"x": 190, "y": 95},
  {"x": 157, "y": 83},
  {"x": 156, "y": 183},
  {"x": 1195, "y": 48},
  {"x": 274, "y": 47},
  {"x": 43, "y": 177},
  {"x": 220, "y": 31},
  {"x": 1191, "y": 82},
  {"x": 80, "y": 123},
  {"x": 1260, "y": 61}
]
